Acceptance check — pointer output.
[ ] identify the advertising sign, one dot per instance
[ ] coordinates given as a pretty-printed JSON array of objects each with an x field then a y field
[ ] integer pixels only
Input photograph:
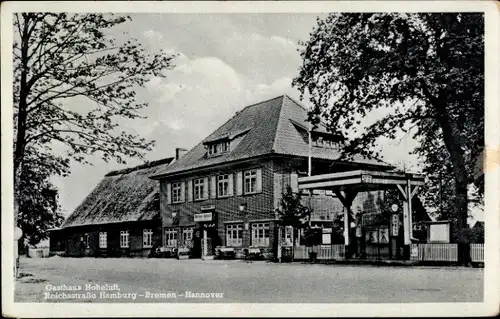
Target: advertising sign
[
  {"x": 366, "y": 178},
  {"x": 371, "y": 236},
  {"x": 439, "y": 233},
  {"x": 395, "y": 225},
  {"x": 326, "y": 239},
  {"x": 383, "y": 235},
  {"x": 203, "y": 217}
]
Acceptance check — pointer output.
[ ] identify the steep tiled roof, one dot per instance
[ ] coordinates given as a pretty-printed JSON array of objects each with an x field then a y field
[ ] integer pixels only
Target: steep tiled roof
[
  {"x": 122, "y": 196},
  {"x": 274, "y": 126}
]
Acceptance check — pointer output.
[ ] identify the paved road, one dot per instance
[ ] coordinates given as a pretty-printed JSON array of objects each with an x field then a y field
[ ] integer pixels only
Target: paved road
[{"x": 239, "y": 281}]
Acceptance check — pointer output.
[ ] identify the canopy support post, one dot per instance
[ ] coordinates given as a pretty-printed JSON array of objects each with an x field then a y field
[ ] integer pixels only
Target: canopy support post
[{"x": 346, "y": 198}]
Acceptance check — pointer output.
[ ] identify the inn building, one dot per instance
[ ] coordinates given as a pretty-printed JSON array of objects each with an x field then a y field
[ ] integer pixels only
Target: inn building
[{"x": 224, "y": 191}]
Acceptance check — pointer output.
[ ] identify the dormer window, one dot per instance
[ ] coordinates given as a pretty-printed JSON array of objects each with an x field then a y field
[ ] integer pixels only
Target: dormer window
[
  {"x": 224, "y": 146},
  {"x": 212, "y": 149},
  {"x": 218, "y": 148},
  {"x": 321, "y": 141}
]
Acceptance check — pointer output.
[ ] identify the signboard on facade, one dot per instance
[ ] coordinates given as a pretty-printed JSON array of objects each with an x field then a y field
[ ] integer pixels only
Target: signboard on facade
[
  {"x": 395, "y": 225},
  {"x": 327, "y": 230},
  {"x": 207, "y": 207},
  {"x": 203, "y": 217}
]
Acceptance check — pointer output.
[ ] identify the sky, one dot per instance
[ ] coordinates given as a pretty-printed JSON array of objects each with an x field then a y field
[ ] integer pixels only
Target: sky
[{"x": 225, "y": 62}]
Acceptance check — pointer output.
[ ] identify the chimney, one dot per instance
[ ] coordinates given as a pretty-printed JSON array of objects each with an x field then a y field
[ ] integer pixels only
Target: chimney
[{"x": 179, "y": 152}]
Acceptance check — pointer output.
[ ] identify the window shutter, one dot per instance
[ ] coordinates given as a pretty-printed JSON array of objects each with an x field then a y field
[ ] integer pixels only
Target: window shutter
[
  {"x": 183, "y": 191},
  {"x": 205, "y": 187},
  {"x": 239, "y": 183},
  {"x": 213, "y": 187},
  {"x": 190, "y": 190},
  {"x": 294, "y": 182},
  {"x": 259, "y": 180},
  {"x": 230, "y": 185},
  {"x": 168, "y": 195}
]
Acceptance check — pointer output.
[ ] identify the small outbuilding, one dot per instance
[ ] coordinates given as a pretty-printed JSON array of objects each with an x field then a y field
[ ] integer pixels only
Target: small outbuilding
[{"x": 120, "y": 217}]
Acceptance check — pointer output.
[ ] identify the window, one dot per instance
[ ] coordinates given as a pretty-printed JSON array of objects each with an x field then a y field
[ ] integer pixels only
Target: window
[
  {"x": 212, "y": 149},
  {"x": 260, "y": 234},
  {"x": 103, "y": 240},
  {"x": 224, "y": 147},
  {"x": 176, "y": 192},
  {"x": 199, "y": 188},
  {"x": 250, "y": 182},
  {"x": 187, "y": 235},
  {"x": 223, "y": 185},
  {"x": 124, "y": 239},
  {"x": 234, "y": 236},
  {"x": 147, "y": 238},
  {"x": 171, "y": 237}
]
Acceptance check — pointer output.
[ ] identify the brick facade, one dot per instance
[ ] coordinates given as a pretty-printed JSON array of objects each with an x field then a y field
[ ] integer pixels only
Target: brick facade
[
  {"x": 277, "y": 174},
  {"x": 259, "y": 206}
]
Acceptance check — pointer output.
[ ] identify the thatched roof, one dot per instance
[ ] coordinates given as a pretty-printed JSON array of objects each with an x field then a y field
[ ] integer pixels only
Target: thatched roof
[{"x": 122, "y": 196}]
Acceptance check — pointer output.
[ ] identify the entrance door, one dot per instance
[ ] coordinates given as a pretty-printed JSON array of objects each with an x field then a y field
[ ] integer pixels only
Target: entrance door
[
  {"x": 377, "y": 242},
  {"x": 213, "y": 239}
]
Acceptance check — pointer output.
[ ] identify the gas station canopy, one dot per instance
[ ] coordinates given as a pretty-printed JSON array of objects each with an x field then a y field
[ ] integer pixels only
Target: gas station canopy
[
  {"x": 346, "y": 186},
  {"x": 360, "y": 181}
]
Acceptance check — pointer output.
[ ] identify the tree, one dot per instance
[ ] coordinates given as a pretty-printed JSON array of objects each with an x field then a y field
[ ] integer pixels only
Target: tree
[
  {"x": 292, "y": 212},
  {"x": 72, "y": 81},
  {"x": 425, "y": 70},
  {"x": 39, "y": 210}
]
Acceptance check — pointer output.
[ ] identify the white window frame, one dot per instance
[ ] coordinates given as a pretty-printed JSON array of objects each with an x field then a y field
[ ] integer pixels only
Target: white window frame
[
  {"x": 225, "y": 147},
  {"x": 250, "y": 182},
  {"x": 176, "y": 192},
  {"x": 212, "y": 149},
  {"x": 147, "y": 238},
  {"x": 259, "y": 232},
  {"x": 223, "y": 180},
  {"x": 198, "y": 188},
  {"x": 187, "y": 234},
  {"x": 234, "y": 235},
  {"x": 170, "y": 237},
  {"x": 103, "y": 239},
  {"x": 124, "y": 239}
]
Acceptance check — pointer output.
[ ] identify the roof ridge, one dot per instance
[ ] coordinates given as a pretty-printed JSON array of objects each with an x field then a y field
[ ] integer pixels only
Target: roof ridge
[
  {"x": 147, "y": 164},
  {"x": 275, "y": 137}
]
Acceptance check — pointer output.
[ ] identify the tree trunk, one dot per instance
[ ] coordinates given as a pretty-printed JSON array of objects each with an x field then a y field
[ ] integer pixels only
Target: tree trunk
[{"x": 451, "y": 137}]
